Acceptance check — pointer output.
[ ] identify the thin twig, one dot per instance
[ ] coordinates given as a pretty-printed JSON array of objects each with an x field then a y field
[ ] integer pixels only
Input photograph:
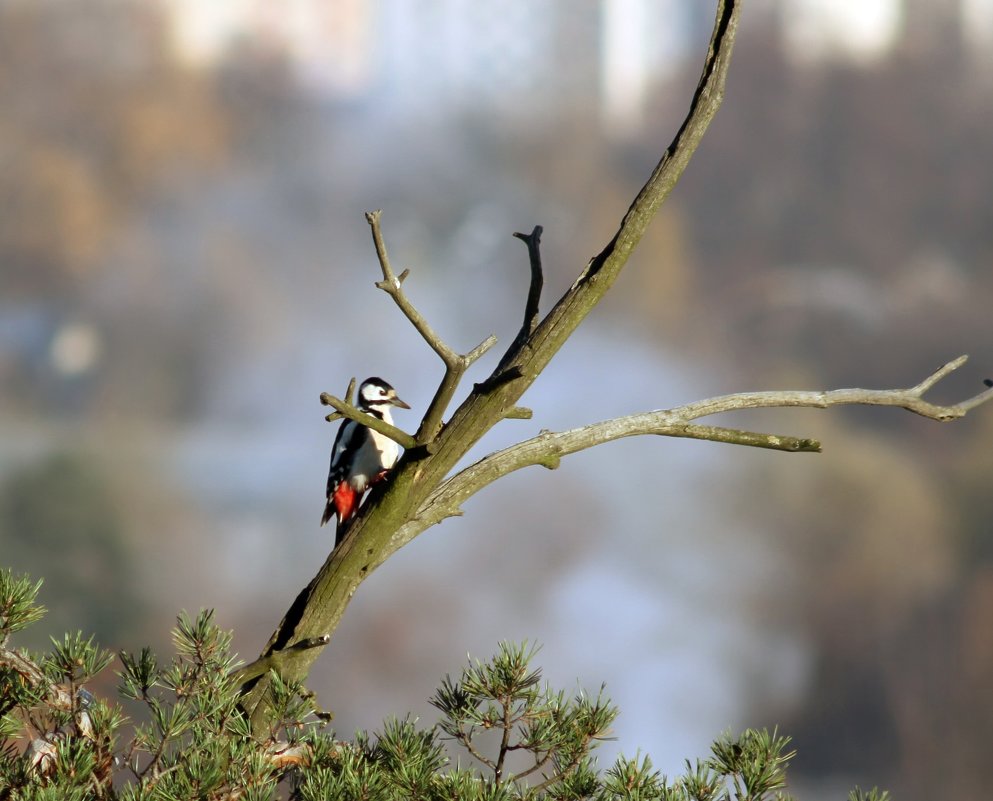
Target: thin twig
[
  {"x": 466, "y": 741},
  {"x": 557, "y": 777},
  {"x": 347, "y": 398},
  {"x": 910, "y": 399},
  {"x": 533, "y": 242},
  {"x": 455, "y": 364},
  {"x": 350, "y": 392},
  {"x": 531, "y": 306},
  {"x": 539, "y": 764},
  {"x": 431, "y": 423},
  {"x": 392, "y": 286},
  {"x": 344, "y": 409},
  {"x": 507, "y": 726},
  {"x": 753, "y": 439}
]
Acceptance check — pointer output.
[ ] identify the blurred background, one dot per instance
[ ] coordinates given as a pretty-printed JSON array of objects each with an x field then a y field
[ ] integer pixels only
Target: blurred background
[{"x": 184, "y": 267}]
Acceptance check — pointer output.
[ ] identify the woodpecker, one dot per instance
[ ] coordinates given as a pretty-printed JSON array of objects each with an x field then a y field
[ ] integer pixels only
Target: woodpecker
[{"x": 360, "y": 456}]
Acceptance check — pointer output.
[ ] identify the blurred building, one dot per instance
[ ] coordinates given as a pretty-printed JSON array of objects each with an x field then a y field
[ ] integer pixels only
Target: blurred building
[
  {"x": 452, "y": 55},
  {"x": 330, "y": 42}
]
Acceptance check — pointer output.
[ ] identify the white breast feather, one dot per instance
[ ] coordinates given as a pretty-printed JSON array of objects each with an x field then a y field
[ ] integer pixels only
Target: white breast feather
[{"x": 377, "y": 453}]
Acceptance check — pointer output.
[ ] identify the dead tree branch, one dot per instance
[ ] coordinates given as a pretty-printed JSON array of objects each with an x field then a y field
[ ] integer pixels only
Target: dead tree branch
[
  {"x": 422, "y": 490},
  {"x": 911, "y": 399},
  {"x": 375, "y": 533},
  {"x": 548, "y": 448},
  {"x": 533, "y": 242},
  {"x": 455, "y": 363}
]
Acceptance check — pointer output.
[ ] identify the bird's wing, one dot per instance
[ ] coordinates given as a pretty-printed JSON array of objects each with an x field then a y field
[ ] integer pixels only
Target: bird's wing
[{"x": 347, "y": 443}]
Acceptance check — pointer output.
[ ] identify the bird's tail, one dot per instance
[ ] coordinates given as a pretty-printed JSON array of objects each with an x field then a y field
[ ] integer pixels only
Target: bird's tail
[{"x": 343, "y": 502}]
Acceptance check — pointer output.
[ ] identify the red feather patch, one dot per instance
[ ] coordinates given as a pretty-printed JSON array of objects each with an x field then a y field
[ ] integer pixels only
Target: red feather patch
[{"x": 346, "y": 501}]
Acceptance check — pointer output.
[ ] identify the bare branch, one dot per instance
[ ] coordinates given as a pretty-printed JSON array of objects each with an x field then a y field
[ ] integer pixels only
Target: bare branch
[
  {"x": 392, "y": 286},
  {"x": 910, "y": 399},
  {"x": 266, "y": 663},
  {"x": 737, "y": 436},
  {"x": 431, "y": 422},
  {"x": 347, "y": 399},
  {"x": 706, "y": 100},
  {"x": 422, "y": 491},
  {"x": 548, "y": 448},
  {"x": 479, "y": 350},
  {"x": 455, "y": 364},
  {"x": 344, "y": 409},
  {"x": 474, "y": 752},
  {"x": 533, "y": 242},
  {"x": 531, "y": 306}
]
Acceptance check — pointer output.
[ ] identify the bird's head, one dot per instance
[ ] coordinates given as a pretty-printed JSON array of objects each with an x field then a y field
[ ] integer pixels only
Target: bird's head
[{"x": 377, "y": 395}]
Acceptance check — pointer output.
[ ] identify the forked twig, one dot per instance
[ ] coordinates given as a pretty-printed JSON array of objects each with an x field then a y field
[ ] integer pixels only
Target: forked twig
[
  {"x": 455, "y": 363},
  {"x": 910, "y": 399},
  {"x": 548, "y": 448}
]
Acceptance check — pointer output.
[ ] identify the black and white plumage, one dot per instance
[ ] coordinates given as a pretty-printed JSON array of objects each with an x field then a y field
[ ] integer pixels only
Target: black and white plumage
[{"x": 360, "y": 456}]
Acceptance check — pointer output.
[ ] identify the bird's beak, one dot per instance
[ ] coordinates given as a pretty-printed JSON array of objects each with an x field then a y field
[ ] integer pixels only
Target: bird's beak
[{"x": 397, "y": 402}]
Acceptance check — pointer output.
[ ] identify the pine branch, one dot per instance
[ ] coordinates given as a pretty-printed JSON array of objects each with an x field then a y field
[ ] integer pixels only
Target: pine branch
[
  {"x": 23, "y": 666},
  {"x": 507, "y": 725},
  {"x": 465, "y": 739},
  {"x": 539, "y": 764},
  {"x": 58, "y": 696}
]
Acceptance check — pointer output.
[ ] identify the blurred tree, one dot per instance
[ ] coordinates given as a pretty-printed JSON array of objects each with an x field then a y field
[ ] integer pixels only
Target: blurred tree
[
  {"x": 94, "y": 119},
  {"x": 64, "y": 506},
  {"x": 104, "y": 132},
  {"x": 842, "y": 203},
  {"x": 888, "y": 596}
]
